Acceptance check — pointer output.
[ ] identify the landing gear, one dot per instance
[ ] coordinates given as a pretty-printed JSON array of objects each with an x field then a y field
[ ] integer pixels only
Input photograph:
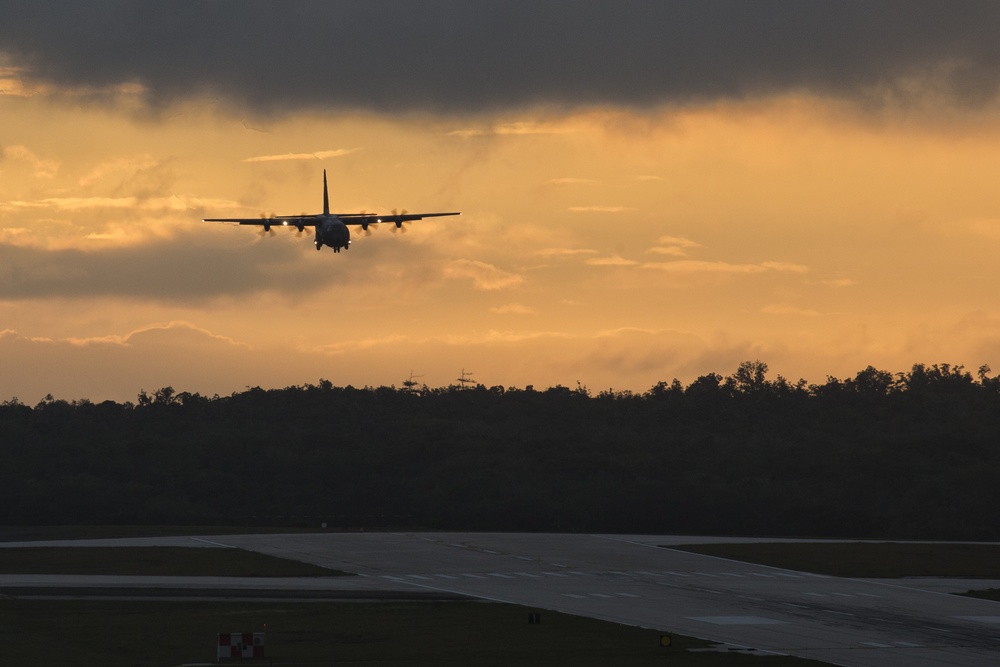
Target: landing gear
[{"x": 318, "y": 246}]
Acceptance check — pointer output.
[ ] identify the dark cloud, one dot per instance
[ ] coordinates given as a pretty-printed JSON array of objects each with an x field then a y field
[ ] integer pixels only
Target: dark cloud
[
  {"x": 189, "y": 267},
  {"x": 207, "y": 261},
  {"x": 457, "y": 56}
]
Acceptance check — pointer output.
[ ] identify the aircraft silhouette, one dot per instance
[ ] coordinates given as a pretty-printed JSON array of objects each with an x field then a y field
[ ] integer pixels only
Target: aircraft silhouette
[{"x": 331, "y": 228}]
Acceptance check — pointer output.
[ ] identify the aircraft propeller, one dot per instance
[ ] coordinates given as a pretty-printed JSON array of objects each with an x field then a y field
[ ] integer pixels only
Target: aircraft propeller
[
  {"x": 366, "y": 228},
  {"x": 399, "y": 223},
  {"x": 266, "y": 229}
]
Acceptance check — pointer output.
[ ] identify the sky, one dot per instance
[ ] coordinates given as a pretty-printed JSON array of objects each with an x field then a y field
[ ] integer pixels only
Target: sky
[{"x": 649, "y": 191}]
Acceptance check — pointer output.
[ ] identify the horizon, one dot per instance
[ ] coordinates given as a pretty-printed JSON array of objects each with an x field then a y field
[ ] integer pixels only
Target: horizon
[{"x": 747, "y": 378}]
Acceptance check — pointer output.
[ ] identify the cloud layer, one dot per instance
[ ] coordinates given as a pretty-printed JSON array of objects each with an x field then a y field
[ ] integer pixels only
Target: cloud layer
[{"x": 455, "y": 56}]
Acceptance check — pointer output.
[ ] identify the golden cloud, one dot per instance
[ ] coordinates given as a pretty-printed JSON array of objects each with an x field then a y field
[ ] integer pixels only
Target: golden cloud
[
  {"x": 173, "y": 203},
  {"x": 318, "y": 155},
  {"x": 569, "y": 181},
  {"x": 785, "y": 309},
  {"x": 512, "y": 309},
  {"x": 695, "y": 266},
  {"x": 563, "y": 252},
  {"x": 612, "y": 261},
  {"x": 785, "y": 267},
  {"x": 43, "y": 168},
  {"x": 484, "y": 276},
  {"x": 600, "y": 209}
]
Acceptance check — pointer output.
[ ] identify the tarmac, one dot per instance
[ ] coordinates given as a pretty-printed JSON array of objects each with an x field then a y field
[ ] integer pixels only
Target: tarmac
[{"x": 632, "y": 579}]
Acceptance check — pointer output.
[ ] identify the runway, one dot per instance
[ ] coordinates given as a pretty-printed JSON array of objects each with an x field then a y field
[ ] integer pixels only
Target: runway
[{"x": 626, "y": 579}]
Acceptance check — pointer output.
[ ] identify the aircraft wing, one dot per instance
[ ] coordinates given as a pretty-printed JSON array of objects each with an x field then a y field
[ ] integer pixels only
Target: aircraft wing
[
  {"x": 277, "y": 221},
  {"x": 399, "y": 218}
]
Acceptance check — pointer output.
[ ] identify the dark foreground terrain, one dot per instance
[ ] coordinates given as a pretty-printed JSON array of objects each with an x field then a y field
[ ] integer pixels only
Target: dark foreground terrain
[{"x": 83, "y": 627}]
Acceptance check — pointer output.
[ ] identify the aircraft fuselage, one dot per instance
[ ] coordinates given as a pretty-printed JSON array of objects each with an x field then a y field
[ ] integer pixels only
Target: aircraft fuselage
[{"x": 331, "y": 231}]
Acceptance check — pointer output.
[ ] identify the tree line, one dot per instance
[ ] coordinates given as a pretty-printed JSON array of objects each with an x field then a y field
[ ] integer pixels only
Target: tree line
[{"x": 878, "y": 455}]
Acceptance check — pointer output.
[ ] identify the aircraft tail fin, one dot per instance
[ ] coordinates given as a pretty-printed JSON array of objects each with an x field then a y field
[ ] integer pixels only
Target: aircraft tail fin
[{"x": 326, "y": 196}]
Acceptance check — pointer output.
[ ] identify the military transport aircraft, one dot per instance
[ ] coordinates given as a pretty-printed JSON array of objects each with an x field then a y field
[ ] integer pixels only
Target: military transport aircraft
[{"x": 331, "y": 228}]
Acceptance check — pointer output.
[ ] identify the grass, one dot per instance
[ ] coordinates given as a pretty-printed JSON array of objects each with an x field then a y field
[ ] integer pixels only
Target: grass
[
  {"x": 988, "y": 594},
  {"x": 34, "y": 533},
  {"x": 139, "y": 633},
  {"x": 154, "y": 561},
  {"x": 866, "y": 559}
]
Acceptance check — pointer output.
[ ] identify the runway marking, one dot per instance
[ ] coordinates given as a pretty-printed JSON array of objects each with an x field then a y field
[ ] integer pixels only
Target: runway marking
[
  {"x": 555, "y": 574},
  {"x": 418, "y": 576},
  {"x": 738, "y": 620},
  {"x": 677, "y": 574},
  {"x": 893, "y": 645},
  {"x": 214, "y": 544},
  {"x": 574, "y": 595},
  {"x": 628, "y": 595},
  {"x": 445, "y": 576},
  {"x": 600, "y": 595},
  {"x": 708, "y": 574},
  {"x": 651, "y": 574},
  {"x": 503, "y": 576},
  {"x": 529, "y": 574},
  {"x": 474, "y": 576},
  {"x": 675, "y": 586},
  {"x": 981, "y": 619},
  {"x": 761, "y": 574}
]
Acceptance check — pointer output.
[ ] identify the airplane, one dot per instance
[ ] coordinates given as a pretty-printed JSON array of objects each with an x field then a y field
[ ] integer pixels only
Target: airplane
[{"x": 331, "y": 228}]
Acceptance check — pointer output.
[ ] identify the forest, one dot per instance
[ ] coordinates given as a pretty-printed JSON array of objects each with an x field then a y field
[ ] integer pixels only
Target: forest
[{"x": 913, "y": 455}]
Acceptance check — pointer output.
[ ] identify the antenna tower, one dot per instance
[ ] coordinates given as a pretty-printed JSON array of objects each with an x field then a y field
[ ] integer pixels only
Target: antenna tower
[
  {"x": 466, "y": 380},
  {"x": 409, "y": 384}
]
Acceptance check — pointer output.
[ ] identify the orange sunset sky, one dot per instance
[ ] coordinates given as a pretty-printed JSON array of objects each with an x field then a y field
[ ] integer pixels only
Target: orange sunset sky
[{"x": 648, "y": 191}]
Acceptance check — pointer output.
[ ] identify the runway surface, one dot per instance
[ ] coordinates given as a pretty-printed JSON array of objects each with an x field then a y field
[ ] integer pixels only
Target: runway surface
[{"x": 636, "y": 580}]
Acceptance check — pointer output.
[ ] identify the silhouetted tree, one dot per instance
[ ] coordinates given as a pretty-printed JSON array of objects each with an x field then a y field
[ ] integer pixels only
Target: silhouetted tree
[
  {"x": 876, "y": 455},
  {"x": 750, "y": 377},
  {"x": 871, "y": 381}
]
